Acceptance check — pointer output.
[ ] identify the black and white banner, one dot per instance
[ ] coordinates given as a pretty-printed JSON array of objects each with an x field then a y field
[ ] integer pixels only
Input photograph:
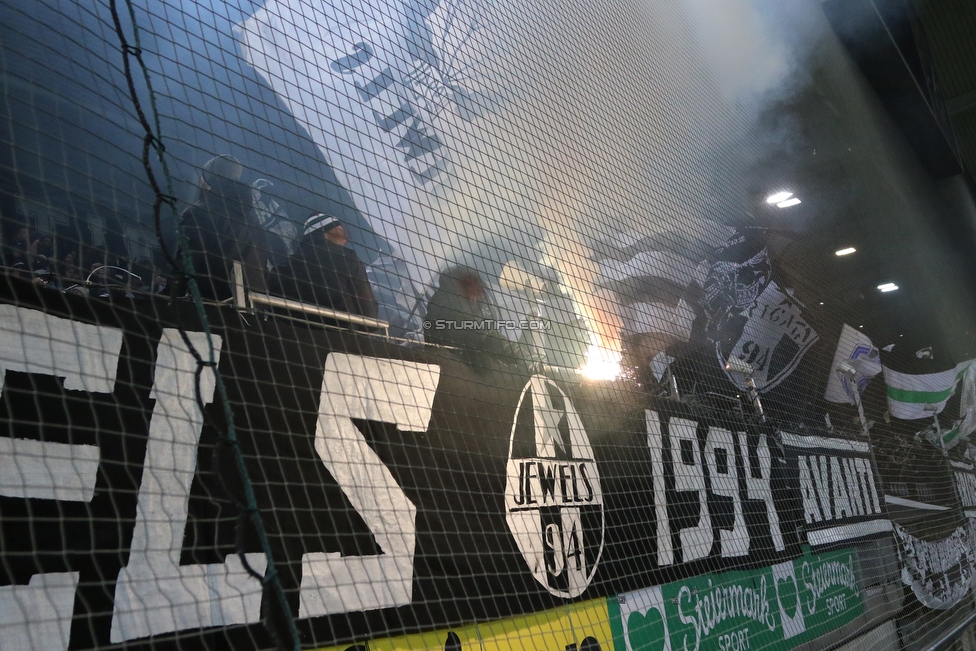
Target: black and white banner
[
  {"x": 401, "y": 489},
  {"x": 940, "y": 573},
  {"x": 839, "y": 487},
  {"x": 964, "y": 476}
]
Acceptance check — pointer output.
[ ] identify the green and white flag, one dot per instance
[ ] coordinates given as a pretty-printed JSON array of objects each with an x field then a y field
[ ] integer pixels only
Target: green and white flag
[
  {"x": 909, "y": 395},
  {"x": 942, "y": 438}
]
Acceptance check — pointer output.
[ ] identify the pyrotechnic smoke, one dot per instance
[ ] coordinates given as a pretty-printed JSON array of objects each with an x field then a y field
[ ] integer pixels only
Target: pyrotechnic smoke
[{"x": 558, "y": 125}]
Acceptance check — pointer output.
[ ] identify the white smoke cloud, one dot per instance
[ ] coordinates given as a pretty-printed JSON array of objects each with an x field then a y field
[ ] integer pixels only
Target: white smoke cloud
[
  {"x": 559, "y": 124},
  {"x": 747, "y": 55}
]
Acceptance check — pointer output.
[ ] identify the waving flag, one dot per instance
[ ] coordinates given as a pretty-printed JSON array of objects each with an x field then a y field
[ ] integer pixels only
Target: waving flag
[
  {"x": 909, "y": 395},
  {"x": 856, "y": 348},
  {"x": 648, "y": 277}
]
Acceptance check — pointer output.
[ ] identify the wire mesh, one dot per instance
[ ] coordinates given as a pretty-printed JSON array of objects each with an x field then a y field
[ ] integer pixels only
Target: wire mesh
[{"x": 450, "y": 324}]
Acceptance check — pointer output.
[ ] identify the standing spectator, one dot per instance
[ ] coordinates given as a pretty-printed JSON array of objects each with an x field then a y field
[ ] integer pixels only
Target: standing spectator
[
  {"x": 16, "y": 254},
  {"x": 111, "y": 280},
  {"x": 459, "y": 314},
  {"x": 44, "y": 277},
  {"x": 96, "y": 276},
  {"x": 42, "y": 262},
  {"x": 281, "y": 234},
  {"x": 325, "y": 272},
  {"x": 68, "y": 270},
  {"x": 160, "y": 282},
  {"x": 42, "y": 247},
  {"x": 70, "y": 274},
  {"x": 221, "y": 228},
  {"x": 746, "y": 311}
]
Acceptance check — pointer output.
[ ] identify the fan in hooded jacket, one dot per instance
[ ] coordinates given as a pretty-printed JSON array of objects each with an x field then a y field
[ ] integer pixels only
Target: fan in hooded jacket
[
  {"x": 221, "y": 228},
  {"x": 458, "y": 315},
  {"x": 325, "y": 272}
]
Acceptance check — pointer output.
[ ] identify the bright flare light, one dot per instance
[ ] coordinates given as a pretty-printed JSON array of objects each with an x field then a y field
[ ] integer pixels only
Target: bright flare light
[
  {"x": 778, "y": 197},
  {"x": 849, "y": 250},
  {"x": 601, "y": 364},
  {"x": 788, "y": 203},
  {"x": 887, "y": 287}
]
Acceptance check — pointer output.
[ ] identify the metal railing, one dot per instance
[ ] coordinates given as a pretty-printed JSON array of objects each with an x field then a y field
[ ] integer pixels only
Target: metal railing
[
  {"x": 244, "y": 299},
  {"x": 267, "y": 300},
  {"x": 952, "y": 634}
]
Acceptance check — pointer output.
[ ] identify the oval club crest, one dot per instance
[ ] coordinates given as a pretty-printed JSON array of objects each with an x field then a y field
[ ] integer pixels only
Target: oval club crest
[{"x": 553, "y": 495}]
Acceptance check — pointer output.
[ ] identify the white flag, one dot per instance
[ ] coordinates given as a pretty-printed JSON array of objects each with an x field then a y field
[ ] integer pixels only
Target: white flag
[
  {"x": 856, "y": 348},
  {"x": 348, "y": 77}
]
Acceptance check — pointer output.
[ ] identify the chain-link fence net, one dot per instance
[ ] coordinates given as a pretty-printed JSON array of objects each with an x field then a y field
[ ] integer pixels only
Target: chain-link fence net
[{"x": 452, "y": 324}]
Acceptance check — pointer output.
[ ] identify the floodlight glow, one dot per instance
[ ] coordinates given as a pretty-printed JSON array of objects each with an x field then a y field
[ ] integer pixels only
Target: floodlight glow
[
  {"x": 788, "y": 203},
  {"x": 887, "y": 287},
  {"x": 778, "y": 197},
  {"x": 849, "y": 250},
  {"x": 601, "y": 364}
]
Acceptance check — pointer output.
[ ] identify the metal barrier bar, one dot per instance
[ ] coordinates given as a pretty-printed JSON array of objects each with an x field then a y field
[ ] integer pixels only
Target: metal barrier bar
[
  {"x": 952, "y": 634},
  {"x": 246, "y": 299},
  {"x": 286, "y": 303}
]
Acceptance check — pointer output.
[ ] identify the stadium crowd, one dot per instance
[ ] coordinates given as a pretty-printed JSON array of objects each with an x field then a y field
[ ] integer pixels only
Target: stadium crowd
[{"x": 228, "y": 224}]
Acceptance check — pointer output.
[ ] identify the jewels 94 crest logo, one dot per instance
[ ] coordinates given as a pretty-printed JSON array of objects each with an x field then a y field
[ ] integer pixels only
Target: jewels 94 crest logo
[{"x": 553, "y": 494}]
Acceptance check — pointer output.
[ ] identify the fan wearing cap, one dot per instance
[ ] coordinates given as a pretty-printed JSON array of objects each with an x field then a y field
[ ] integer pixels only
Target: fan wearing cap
[
  {"x": 325, "y": 272},
  {"x": 221, "y": 227}
]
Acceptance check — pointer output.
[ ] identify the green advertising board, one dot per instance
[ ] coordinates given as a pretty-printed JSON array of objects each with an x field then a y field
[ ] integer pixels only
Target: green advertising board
[{"x": 772, "y": 608}]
